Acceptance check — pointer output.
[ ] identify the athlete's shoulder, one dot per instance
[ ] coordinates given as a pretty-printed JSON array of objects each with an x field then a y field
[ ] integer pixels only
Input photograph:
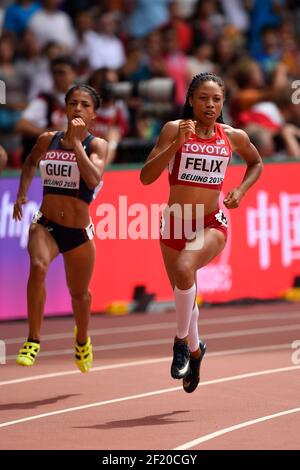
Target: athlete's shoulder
[
  {"x": 97, "y": 140},
  {"x": 99, "y": 146},
  {"x": 233, "y": 133},
  {"x": 171, "y": 127},
  {"x": 45, "y": 138},
  {"x": 237, "y": 137}
]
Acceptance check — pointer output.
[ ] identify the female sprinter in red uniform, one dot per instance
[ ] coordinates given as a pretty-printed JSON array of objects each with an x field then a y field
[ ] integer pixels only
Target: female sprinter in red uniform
[
  {"x": 196, "y": 150},
  {"x": 71, "y": 165}
]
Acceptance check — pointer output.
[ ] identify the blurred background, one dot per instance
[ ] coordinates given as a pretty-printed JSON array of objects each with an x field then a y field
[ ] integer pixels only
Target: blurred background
[{"x": 141, "y": 55}]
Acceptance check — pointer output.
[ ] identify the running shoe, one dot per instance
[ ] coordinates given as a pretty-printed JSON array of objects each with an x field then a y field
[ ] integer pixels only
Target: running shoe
[
  {"x": 83, "y": 354},
  {"x": 190, "y": 381},
  {"x": 180, "y": 367},
  {"x": 28, "y": 353}
]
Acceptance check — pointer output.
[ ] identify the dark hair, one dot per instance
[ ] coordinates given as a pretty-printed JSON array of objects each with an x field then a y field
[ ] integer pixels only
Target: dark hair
[
  {"x": 88, "y": 89},
  {"x": 187, "y": 112},
  {"x": 64, "y": 60}
]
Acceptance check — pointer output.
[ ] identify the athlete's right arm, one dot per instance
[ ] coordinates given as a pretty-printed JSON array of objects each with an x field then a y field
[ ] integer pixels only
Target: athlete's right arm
[
  {"x": 28, "y": 171},
  {"x": 172, "y": 137}
]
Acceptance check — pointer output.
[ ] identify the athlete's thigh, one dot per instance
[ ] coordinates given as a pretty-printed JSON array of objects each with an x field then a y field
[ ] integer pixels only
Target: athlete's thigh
[
  {"x": 170, "y": 257},
  {"x": 41, "y": 244},
  {"x": 212, "y": 245},
  {"x": 79, "y": 265}
]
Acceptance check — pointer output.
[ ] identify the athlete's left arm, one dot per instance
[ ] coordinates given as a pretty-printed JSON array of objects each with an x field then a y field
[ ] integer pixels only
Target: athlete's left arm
[
  {"x": 91, "y": 168},
  {"x": 3, "y": 158},
  {"x": 241, "y": 144}
]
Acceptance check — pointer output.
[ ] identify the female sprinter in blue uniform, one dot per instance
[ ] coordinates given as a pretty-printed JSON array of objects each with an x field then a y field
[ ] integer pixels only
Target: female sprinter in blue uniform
[
  {"x": 196, "y": 150},
  {"x": 71, "y": 165}
]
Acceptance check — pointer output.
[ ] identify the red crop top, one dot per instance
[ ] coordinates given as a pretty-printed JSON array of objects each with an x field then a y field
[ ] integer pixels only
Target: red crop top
[{"x": 201, "y": 162}]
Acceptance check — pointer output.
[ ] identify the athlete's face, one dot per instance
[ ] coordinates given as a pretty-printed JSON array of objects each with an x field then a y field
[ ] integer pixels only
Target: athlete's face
[
  {"x": 80, "y": 104},
  {"x": 207, "y": 102}
]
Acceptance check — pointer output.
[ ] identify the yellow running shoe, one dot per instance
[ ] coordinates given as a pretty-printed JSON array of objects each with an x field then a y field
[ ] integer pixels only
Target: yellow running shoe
[
  {"x": 83, "y": 354},
  {"x": 27, "y": 354}
]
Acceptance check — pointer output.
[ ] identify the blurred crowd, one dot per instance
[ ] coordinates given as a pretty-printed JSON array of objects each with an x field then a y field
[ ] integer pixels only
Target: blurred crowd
[{"x": 141, "y": 55}]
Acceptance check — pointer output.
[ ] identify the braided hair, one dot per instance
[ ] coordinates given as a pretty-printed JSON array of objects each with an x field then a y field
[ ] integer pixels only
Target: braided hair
[
  {"x": 88, "y": 89},
  {"x": 187, "y": 112}
]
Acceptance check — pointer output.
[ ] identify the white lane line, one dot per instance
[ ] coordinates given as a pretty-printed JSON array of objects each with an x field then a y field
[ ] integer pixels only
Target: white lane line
[
  {"x": 213, "y": 435},
  {"x": 156, "y": 342},
  {"x": 94, "y": 369},
  {"x": 226, "y": 352},
  {"x": 167, "y": 325},
  {"x": 102, "y": 332},
  {"x": 145, "y": 395}
]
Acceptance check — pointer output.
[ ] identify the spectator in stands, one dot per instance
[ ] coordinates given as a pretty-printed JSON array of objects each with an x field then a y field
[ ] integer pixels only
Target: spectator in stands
[
  {"x": 15, "y": 100},
  {"x": 263, "y": 13},
  {"x": 17, "y": 16},
  {"x": 42, "y": 81},
  {"x": 46, "y": 112},
  {"x": 28, "y": 61},
  {"x": 274, "y": 121},
  {"x": 137, "y": 65},
  {"x": 200, "y": 59},
  {"x": 148, "y": 126},
  {"x": 145, "y": 16},
  {"x": 73, "y": 7},
  {"x": 83, "y": 22},
  {"x": 184, "y": 31},
  {"x": 251, "y": 85},
  {"x": 236, "y": 14},
  {"x": 295, "y": 8},
  {"x": 51, "y": 24},
  {"x": 112, "y": 118},
  {"x": 271, "y": 53},
  {"x": 262, "y": 139},
  {"x": 289, "y": 111},
  {"x": 154, "y": 50},
  {"x": 207, "y": 21},
  {"x": 290, "y": 48},
  {"x": 176, "y": 65},
  {"x": 102, "y": 47},
  {"x": 226, "y": 54},
  {"x": 290, "y": 135},
  {"x": 286, "y": 144}
]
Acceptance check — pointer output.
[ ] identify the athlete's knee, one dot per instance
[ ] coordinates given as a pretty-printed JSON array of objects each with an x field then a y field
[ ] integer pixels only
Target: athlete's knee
[
  {"x": 80, "y": 296},
  {"x": 38, "y": 267},
  {"x": 183, "y": 270}
]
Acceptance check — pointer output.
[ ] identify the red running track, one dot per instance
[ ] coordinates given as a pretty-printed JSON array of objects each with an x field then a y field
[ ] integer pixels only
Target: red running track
[{"x": 248, "y": 397}]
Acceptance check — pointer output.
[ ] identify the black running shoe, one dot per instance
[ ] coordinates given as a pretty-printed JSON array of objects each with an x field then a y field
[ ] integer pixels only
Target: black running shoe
[
  {"x": 180, "y": 367},
  {"x": 190, "y": 382}
]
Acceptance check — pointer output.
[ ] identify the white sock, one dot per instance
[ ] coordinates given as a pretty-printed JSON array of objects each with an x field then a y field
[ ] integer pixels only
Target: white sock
[
  {"x": 193, "y": 330},
  {"x": 184, "y": 301}
]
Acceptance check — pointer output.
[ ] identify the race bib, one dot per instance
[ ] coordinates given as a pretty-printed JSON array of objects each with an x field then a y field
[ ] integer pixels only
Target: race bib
[
  {"x": 201, "y": 169},
  {"x": 60, "y": 170}
]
